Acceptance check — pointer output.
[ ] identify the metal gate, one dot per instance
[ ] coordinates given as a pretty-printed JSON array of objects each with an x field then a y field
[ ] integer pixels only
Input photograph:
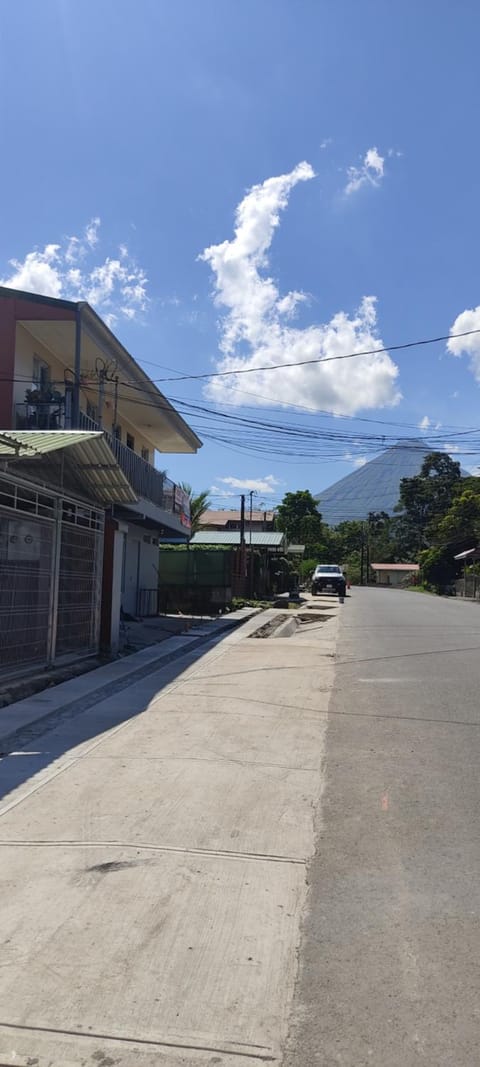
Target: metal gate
[
  {"x": 50, "y": 575},
  {"x": 80, "y": 578}
]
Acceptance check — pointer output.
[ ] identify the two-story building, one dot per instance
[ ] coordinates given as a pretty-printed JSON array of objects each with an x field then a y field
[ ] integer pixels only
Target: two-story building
[{"x": 82, "y": 430}]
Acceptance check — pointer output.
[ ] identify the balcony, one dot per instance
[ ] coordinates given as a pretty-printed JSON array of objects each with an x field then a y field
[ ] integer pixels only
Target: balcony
[
  {"x": 147, "y": 482},
  {"x": 43, "y": 415}
]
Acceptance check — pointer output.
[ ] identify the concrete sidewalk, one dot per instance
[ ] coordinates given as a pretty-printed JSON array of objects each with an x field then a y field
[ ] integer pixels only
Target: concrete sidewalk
[
  {"x": 154, "y": 854},
  {"x": 81, "y": 692}
]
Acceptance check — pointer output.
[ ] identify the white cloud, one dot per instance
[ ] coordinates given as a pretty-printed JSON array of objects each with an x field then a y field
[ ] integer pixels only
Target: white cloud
[
  {"x": 468, "y": 346},
  {"x": 369, "y": 172},
  {"x": 326, "y": 142},
  {"x": 425, "y": 423},
  {"x": 266, "y": 485},
  {"x": 356, "y": 461},
  {"x": 91, "y": 232},
  {"x": 455, "y": 395},
  {"x": 116, "y": 287},
  {"x": 255, "y": 333},
  {"x": 287, "y": 305},
  {"x": 447, "y": 447},
  {"x": 39, "y": 272}
]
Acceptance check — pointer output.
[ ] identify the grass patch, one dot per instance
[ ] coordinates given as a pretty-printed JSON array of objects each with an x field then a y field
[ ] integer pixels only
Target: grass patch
[{"x": 247, "y": 602}]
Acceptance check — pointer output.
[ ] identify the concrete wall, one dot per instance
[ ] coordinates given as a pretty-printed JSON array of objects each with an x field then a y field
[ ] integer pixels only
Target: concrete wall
[{"x": 393, "y": 578}]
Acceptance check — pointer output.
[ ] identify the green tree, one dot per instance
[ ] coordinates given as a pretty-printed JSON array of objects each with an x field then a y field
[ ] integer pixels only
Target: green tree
[
  {"x": 295, "y": 507},
  {"x": 462, "y": 520},
  {"x": 425, "y": 499},
  {"x": 381, "y": 538},
  {"x": 437, "y": 567},
  {"x": 300, "y": 520},
  {"x": 350, "y": 536},
  {"x": 199, "y": 504}
]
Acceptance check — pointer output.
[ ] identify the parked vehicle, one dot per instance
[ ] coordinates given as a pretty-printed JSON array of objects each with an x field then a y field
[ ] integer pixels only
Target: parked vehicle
[{"x": 328, "y": 578}]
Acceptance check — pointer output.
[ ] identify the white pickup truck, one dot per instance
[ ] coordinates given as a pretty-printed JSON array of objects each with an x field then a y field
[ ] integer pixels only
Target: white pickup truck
[{"x": 328, "y": 578}]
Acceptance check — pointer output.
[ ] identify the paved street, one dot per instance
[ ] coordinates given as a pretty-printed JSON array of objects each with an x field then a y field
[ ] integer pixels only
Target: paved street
[
  {"x": 156, "y": 850},
  {"x": 391, "y": 951}
]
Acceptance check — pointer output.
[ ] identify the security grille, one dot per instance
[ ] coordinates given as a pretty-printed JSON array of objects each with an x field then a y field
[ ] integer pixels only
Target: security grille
[
  {"x": 50, "y": 575},
  {"x": 79, "y": 589},
  {"x": 26, "y": 546}
]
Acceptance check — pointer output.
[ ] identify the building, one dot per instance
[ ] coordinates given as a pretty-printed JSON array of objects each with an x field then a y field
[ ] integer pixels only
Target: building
[
  {"x": 259, "y": 568},
  {"x": 54, "y": 488},
  {"x": 394, "y": 574},
  {"x": 261, "y": 521},
  {"x": 64, "y": 371}
]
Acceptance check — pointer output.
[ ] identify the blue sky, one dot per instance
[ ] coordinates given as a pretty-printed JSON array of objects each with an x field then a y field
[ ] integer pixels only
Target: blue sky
[{"x": 159, "y": 119}]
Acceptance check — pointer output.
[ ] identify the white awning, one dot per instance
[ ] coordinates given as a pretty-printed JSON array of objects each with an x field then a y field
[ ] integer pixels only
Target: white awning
[{"x": 469, "y": 552}]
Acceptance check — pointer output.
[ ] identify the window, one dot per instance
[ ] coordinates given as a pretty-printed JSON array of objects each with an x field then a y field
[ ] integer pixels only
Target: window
[
  {"x": 117, "y": 432},
  {"x": 41, "y": 372},
  {"x": 146, "y": 455},
  {"x": 130, "y": 442}
]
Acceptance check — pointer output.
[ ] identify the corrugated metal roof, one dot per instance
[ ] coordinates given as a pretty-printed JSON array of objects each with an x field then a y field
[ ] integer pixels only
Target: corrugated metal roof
[
  {"x": 394, "y": 566},
  {"x": 38, "y": 442},
  {"x": 272, "y": 539},
  {"x": 89, "y": 453}
]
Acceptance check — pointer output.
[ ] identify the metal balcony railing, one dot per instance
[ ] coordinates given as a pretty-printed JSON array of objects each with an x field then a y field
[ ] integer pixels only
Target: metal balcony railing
[
  {"x": 145, "y": 479},
  {"x": 44, "y": 415}
]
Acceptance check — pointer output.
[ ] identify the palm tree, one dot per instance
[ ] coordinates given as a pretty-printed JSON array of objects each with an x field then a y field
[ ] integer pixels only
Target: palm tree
[{"x": 199, "y": 504}]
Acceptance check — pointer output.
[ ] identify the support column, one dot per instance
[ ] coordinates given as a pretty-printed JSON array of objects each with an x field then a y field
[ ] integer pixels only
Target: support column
[
  {"x": 7, "y": 349},
  {"x": 112, "y": 584},
  {"x": 54, "y": 584}
]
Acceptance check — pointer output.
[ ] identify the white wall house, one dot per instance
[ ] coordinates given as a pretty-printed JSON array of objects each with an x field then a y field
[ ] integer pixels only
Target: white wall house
[{"x": 393, "y": 574}]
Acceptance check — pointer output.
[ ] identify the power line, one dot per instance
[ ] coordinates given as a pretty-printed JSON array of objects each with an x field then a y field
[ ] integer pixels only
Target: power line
[
  {"x": 155, "y": 401},
  {"x": 321, "y": 359}
]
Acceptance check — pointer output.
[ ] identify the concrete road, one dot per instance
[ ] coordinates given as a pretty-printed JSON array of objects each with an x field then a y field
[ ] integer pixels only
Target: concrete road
[
  {"x": 153, "y": 859},
  {"x": 390, "y": 958}
]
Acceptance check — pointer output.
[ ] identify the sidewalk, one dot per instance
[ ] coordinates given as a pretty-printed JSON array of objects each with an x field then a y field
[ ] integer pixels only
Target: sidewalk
[
  {"x": 154, "y": 857},
  {"x": 83, "y": 691}
]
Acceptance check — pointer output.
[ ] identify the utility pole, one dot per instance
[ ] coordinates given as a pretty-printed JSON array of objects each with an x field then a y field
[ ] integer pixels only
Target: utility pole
[
  {"x": 367, "y": 554},
  {"x": 115, "y": 407},
  {"x": 242, "y": 537},
  {"x": 101, "y": 398},
  {"x": 250, "y": 554},
  {"x": 75, "y": 418},
  {"x": 362, "y": 557}
]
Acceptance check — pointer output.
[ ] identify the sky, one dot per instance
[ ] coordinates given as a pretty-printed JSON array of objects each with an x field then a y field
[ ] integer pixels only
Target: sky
[{"x": 251, "y": 185}]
